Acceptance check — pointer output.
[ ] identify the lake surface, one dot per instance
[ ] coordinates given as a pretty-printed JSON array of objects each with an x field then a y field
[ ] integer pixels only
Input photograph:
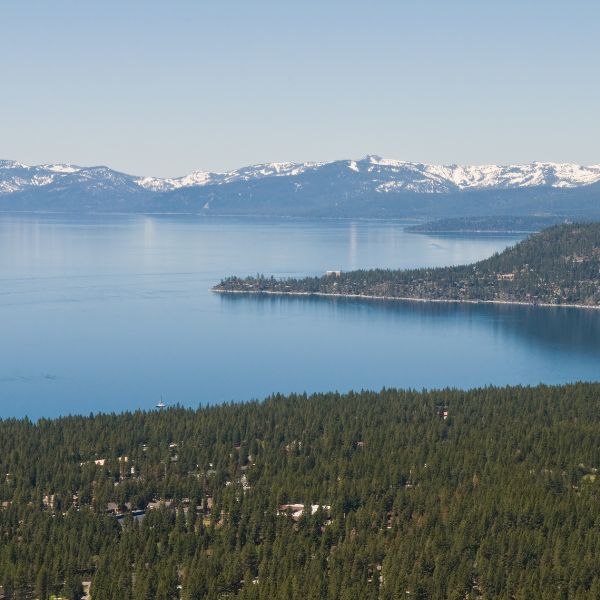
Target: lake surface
[{"x": 106, "y": 313}]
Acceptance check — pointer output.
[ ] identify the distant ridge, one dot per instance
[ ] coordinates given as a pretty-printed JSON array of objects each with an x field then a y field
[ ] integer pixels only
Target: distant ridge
[
  {"x": 372, "y": 186},
  {"x": 388, "y": 175},
  {"x": 394, "y": 175}
]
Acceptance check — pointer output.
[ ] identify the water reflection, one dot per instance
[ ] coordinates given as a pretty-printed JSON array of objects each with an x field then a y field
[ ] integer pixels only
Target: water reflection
[{"x": 552, "y": 329}]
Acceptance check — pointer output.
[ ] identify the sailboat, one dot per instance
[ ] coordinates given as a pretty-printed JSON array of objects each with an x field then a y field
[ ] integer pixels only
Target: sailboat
[{"x": 161, "y": 404}]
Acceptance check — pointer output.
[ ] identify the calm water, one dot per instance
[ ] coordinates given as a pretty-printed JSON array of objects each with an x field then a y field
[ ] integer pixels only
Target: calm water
[{"x": 108, "y": 313}]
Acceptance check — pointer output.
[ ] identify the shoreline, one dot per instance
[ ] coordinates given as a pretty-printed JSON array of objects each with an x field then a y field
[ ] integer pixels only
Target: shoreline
[
  {"x": 470, "y": 231},
  {"x": 408, "y": 299},
  {"x": 398, "y": 220}
]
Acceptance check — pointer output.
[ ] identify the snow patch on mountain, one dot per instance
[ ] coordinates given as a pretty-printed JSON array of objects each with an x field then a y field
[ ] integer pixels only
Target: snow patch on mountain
[
  {"x": 12, "y": 164},
  {"x": 61, "y": 168},
  {"x": 426, "y": 178},
  {"x": 561, "y": 175},
  {"x": 200, "y": 178},
  {"x": 156, "y": 184}
]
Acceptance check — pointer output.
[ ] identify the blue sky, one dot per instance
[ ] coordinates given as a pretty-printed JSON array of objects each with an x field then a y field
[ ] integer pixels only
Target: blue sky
[{"x": 164, "y": 88}]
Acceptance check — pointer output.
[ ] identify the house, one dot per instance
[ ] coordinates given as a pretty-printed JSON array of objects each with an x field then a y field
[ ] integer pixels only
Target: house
[
  {"x": 332, "y": 273},
  {"x": 112, "y": 508},
  {"x": 297, "y": 510},
  {"x": 505, "y": 276},
  {"x": 159, "y": 503},
  {"x": 442, "y": 411}
]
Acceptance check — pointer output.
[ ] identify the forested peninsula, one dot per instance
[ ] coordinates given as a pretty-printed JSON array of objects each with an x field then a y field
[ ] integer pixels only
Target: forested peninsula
[
  {"x": 558, "y": 266},
  {"x": 488, "y": 493}
]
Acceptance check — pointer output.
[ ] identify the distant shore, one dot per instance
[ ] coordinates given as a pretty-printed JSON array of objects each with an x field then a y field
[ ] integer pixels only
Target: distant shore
[
  {"x": 478, "y": 231},
  {"x": 407, "y": 299}
]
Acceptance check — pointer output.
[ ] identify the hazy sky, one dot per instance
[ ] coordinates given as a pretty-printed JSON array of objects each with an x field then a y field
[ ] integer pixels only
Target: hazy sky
[{"x": 163, "y": 88}]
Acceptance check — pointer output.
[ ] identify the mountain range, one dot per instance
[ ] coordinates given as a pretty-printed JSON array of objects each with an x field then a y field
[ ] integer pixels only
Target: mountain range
[{"x": 370, "y": 187}]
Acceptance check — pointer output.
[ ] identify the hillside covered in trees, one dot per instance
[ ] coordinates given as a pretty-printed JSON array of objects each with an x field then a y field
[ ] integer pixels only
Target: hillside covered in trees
[
  {"x": 558, "y": 266},
  {"x": 490, "y": 493},
  {"x": 485, "y": 224}
]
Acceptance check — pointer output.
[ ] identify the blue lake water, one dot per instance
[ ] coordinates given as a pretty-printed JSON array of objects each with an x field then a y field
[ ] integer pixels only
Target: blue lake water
[{"x": 106, "y": 313}]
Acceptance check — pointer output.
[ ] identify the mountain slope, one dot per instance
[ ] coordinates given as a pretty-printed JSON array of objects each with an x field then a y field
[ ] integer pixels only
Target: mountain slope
[{"x": 61, "y": 187}]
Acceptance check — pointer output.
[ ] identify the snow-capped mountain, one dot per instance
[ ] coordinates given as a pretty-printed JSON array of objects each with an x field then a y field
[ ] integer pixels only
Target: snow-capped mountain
[
  {"x": 210, "y": 178},
  {"x": 384, "y": 175},
  {"x": 17, "y": 177},
  {"x": 372, "y": 186},
  {"x": 395, "y": 175},
  {"x": 443, "y": 178}
]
